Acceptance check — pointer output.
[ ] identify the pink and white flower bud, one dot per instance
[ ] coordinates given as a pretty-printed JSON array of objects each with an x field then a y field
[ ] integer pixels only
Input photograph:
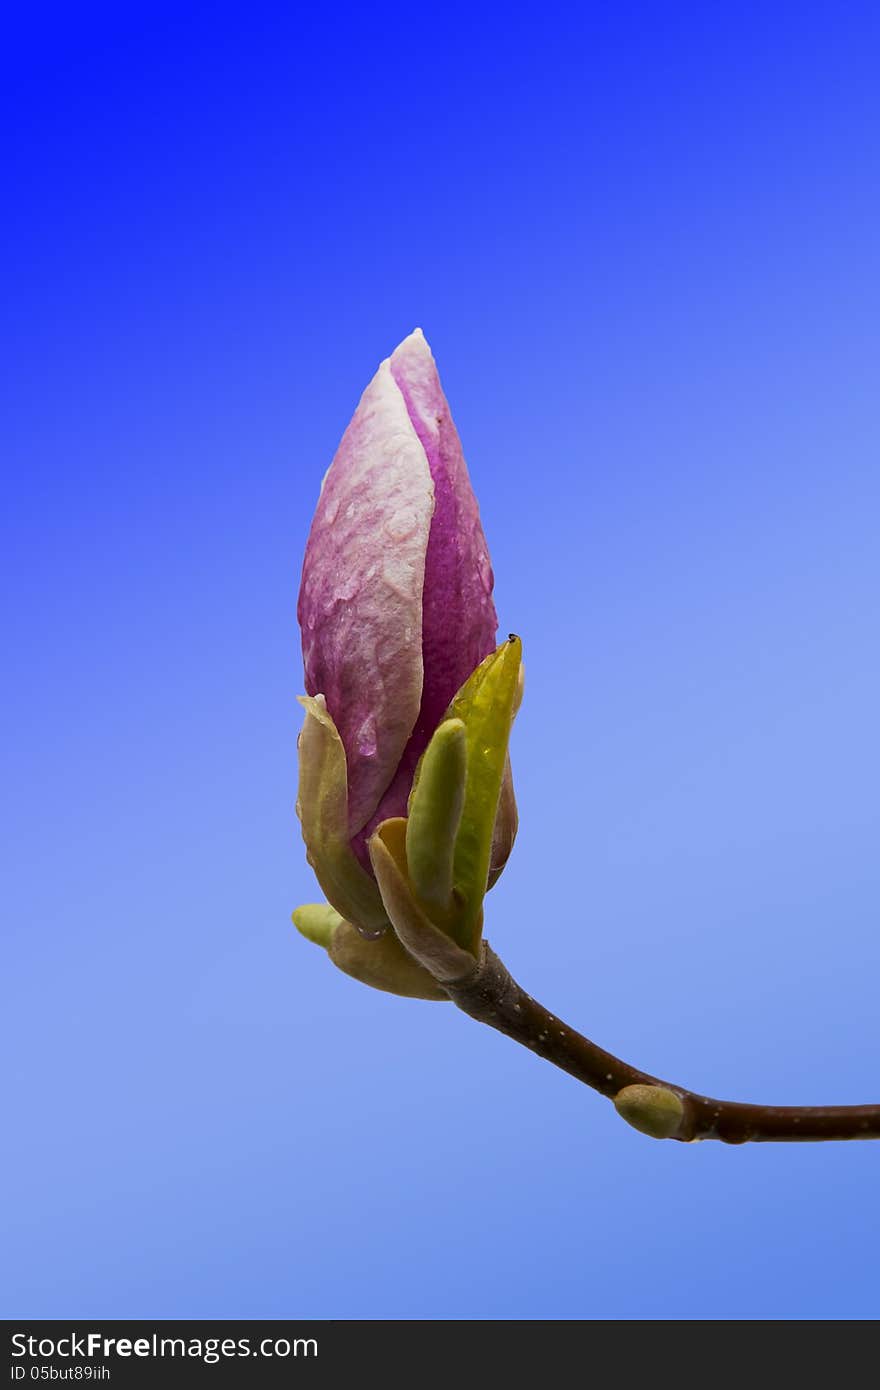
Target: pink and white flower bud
[{"x": 396, "y": 602}]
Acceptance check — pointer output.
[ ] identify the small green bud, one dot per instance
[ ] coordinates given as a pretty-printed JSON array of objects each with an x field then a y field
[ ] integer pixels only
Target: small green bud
[{"x": 652, "y": 1110}]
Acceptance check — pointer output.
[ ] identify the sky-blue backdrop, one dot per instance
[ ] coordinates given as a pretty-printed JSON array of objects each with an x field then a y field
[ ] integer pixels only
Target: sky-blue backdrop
[{"x": 643, "y": 243}]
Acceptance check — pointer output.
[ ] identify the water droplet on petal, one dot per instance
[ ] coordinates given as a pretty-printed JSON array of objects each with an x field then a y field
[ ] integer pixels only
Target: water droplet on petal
[
  {"x": 366, "y": 738},
  {"x": 484, "y": 568}
]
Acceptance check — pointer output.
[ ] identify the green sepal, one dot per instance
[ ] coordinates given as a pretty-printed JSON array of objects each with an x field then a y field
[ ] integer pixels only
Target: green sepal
[
  {"x": 435, "y": 809},
  {"x": 485, "y": 704},
  {"x": 382, "y": 963},
  {"x": 322, "y": 806},
  {"x": 426, "y": 941},
  {"x": 316, "y": 922}
]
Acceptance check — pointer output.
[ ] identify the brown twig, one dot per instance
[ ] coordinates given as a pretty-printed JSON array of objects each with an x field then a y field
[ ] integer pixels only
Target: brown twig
[{"x": 490, "y": 995}]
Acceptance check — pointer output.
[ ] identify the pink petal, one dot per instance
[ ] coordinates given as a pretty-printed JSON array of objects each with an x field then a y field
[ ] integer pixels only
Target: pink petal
[
  {"x": 360, "y": 604},
  {"x": 459, "y": 622}
]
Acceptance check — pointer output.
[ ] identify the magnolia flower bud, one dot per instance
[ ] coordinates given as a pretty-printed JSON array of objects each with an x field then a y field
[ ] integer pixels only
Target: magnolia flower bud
[{"x": 397, "y": 618}]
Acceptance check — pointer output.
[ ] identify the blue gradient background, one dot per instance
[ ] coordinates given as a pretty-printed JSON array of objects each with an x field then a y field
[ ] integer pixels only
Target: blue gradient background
[{"x": 643, "y": 243}]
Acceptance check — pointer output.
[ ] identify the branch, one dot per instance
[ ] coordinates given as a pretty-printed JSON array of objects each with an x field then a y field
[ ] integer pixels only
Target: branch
[{"x": 490, "y": 995}]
